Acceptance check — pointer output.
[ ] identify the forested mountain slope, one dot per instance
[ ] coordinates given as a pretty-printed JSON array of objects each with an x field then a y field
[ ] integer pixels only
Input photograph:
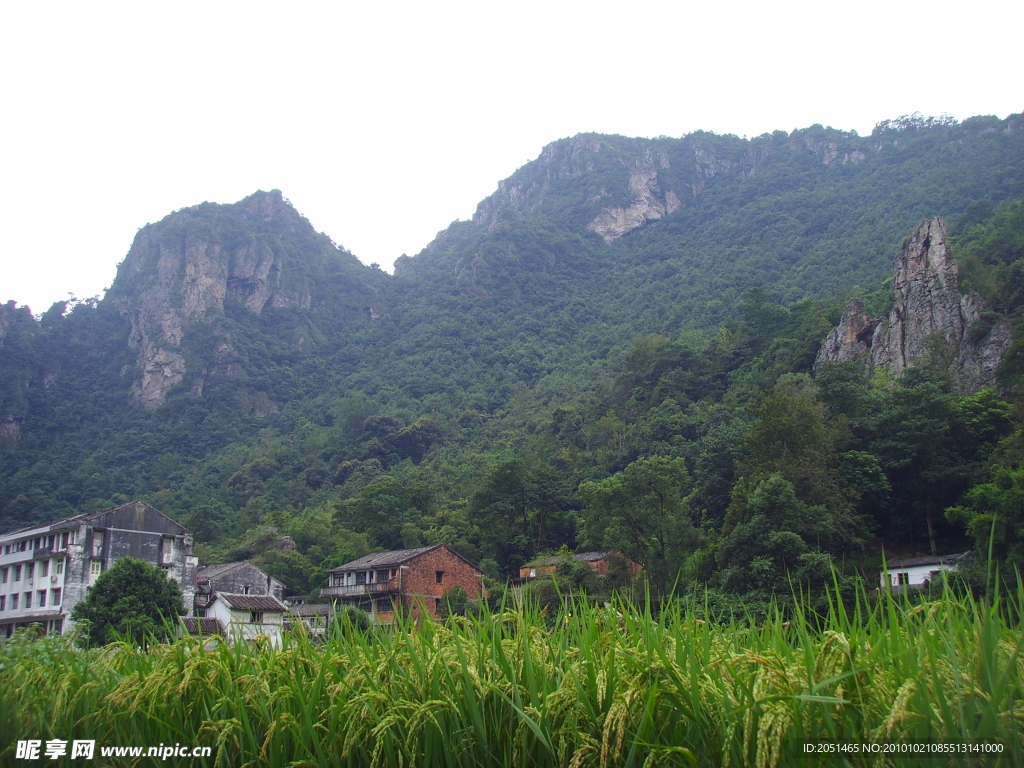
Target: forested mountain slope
[{"x": 620, "y": 311}]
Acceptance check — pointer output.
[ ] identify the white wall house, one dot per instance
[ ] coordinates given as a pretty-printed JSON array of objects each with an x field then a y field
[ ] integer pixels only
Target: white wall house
[
  {"x": 45, "y": 570},
  {"x": 245, "y": 617},
  {"x": 917, "y": 571}
]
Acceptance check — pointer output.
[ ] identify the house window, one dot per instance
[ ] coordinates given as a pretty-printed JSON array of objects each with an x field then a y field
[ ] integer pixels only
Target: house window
[
  {"x": 14, "y": 602},
  {"x": 50, "y": 540},
  {"x": 904, "y": 578},
  {"x": 28, "y": 599},
  {"x": 58, "y": 567},
  {"x": 360, "y": 577},
  {"x": 41, "y": 598},
  {"x": 167, "y": 550},
  {"x": 7, "y": 549},
  {"x": 438, "y": 576},
  {"x": 382, "y": 576},
  {"x": 3, "y": 602},
  {"x": 337, "y": 580},
  {"x": 245, "y": 590},
  {"x": 29, "y": 570},
  {"x": 44, "y": 568},
  {"x": 95, "y": 568},
  {"x": 255, "y": 617},
  {"x": 17, "y": 573},
  {"x": 3, "y": 575},
  {"x": 97, "y": 543},
  {"x": 437, "y": 604},
  {"x": 201, "y": 612},
  {"x": 55, "y": 596}
]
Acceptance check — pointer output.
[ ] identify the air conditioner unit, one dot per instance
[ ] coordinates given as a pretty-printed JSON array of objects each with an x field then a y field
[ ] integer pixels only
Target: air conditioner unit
[{"x": 53, "y": 580}]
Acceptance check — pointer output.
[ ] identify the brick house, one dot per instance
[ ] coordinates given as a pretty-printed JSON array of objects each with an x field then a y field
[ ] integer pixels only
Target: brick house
[
  {"x": 45, "y": 570},
  {"x": 598, "y": 561},
  {"x": 405, "y": 580}
]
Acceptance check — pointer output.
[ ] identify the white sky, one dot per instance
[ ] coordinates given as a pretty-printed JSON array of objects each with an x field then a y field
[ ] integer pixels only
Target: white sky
[{"x": 384, "y": 122}]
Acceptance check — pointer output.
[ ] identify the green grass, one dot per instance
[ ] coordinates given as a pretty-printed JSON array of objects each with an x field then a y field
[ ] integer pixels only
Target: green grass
[{"x": 592, "y": 686}]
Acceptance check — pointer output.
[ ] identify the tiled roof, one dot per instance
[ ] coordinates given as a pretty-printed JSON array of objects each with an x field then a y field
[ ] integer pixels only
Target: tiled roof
[
  {"x": 311, "y": 609},
  {"x": 912, "y": 562},
  {"x": 251, "y": 602},
  {"x": 383, "y": 559},
  {"x": 201, "y": 626},
  {"x": 584, "y": 557},
  {"x": 215, "y": 570}
]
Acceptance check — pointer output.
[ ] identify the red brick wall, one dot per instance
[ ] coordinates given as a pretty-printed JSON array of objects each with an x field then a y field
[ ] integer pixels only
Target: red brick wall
[{"x": 419, "y": 580}]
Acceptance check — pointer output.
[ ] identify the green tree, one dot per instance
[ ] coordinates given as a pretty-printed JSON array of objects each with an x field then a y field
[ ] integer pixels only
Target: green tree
[
  {"x": 133, "y": 599},
  {"x": 994, "y": 517},
  {"x": 772, "y": 540},
  {"x": 642, "y": 510}
]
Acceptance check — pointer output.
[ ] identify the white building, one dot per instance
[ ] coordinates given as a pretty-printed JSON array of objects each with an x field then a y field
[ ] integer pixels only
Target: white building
[
  {"x": 917, "y": 571},
  {"x": 45, "y": 570},
  {"x": 240, "y": 617}
]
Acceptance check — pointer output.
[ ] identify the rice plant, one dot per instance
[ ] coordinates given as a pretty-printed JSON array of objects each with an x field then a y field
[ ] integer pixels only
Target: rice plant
[{"x": 591, "y": 686}]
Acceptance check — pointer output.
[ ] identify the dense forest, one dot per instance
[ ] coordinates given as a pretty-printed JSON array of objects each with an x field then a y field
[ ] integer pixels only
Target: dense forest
[{"x": 536, "y": 379}]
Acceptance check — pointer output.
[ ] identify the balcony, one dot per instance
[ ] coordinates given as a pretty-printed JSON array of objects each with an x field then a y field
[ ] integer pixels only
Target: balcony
[{"x": 360, "y": 590}]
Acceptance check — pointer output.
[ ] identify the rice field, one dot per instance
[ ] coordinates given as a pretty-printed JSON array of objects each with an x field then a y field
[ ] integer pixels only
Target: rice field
[{"x": 592, "y": 686}]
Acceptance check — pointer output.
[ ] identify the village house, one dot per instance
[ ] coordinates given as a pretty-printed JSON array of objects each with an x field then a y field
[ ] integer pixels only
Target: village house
[
  {"x": 45, "y": 570},
  {"x": 314, "y": 616},
  {"x": 406, "y": 580},
  {"x": 240, "y": 618},
  {"x": 598, "y": 561},
  {"x": 239, "y": 578},
  {"x": 916, "y": 572},
  {"x": 222, "y": 606}
]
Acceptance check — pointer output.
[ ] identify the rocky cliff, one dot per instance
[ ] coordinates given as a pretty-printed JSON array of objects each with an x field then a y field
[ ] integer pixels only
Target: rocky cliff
[
  {"x": 618, "y": 184},
  {"x": 255, "y": 255},
  {"x": 930, "y": 320}
]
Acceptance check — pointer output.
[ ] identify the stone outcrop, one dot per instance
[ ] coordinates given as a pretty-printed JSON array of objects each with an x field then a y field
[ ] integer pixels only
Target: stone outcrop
[
  {"x": 648, "y": 205},
  {"x": 183, "y": 271},
  {"x": 930, "y": 319}
]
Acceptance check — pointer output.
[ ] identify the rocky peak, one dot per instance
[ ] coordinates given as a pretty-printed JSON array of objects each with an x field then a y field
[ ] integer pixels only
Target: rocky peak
[
  {"x": 255, "y": 254},
  {"x": 929, "y": 315}
]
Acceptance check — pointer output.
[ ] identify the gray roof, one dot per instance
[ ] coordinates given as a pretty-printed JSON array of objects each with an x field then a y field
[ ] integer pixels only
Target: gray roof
[
  {"x": 219, "y": 569},
  {"x": 584, "y": 557},
  {"x": 383, "y": 559},
  {"x": 251, "y": 602},
  {"x": 201, "y": 626},
  {"x": 913, "y": 562},
  {"x": 75, "y": 520},
  {"x": 311, "y": 609}
]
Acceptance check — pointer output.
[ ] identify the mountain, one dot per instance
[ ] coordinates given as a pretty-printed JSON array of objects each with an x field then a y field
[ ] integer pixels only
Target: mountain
[
  {"x": 929, "y": 316},
  {"x": 615, "y": 299},
  {"x": 185, "y": 277}
]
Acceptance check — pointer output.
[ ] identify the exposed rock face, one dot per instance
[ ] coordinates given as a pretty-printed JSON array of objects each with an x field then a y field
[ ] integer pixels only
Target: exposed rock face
[
  {"x": 182, "y": 271},
  {"x": 930, "y": 316},
  {"x": 647, "y": 205}
]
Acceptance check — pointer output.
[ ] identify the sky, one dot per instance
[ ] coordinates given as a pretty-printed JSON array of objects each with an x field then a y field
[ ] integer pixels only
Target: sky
[{"x": 385, "y": 122}]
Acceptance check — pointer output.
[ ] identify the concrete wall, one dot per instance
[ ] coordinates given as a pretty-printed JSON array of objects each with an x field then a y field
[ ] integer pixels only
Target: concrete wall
[{"x": 235, "y": 581}]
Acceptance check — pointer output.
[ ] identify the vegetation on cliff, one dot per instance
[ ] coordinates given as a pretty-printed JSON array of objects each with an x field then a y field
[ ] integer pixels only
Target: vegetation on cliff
[{"x": 529, "y": 378}]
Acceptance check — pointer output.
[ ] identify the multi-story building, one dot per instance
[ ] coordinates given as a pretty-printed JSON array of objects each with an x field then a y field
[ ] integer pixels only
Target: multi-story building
[
  {"x": 45, "y": 570},
  {"x": 404, "y": 580}
]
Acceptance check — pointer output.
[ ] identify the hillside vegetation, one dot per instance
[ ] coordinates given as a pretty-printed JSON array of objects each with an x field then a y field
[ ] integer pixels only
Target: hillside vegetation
[{"x": 536, "y": 378}]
